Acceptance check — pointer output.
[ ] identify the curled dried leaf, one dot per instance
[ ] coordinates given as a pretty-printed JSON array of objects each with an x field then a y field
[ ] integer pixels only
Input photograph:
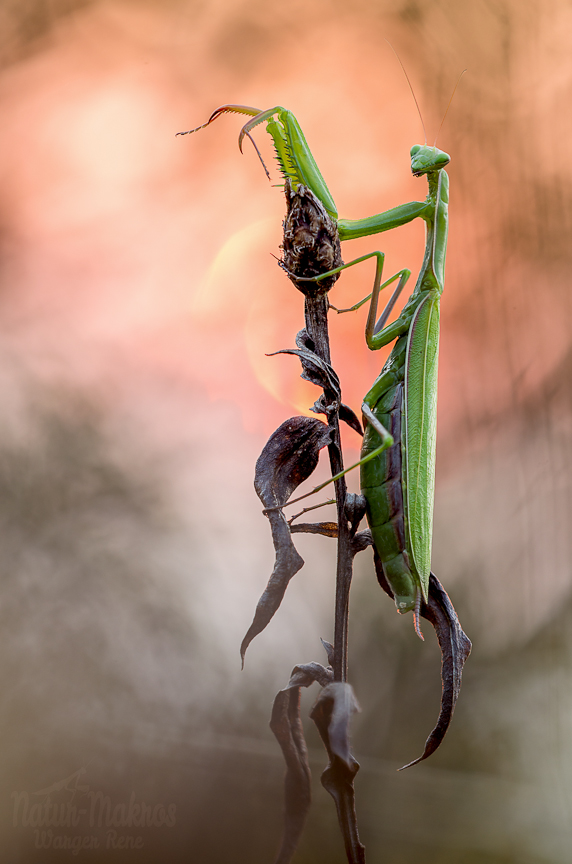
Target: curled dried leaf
[
  {"x": 361, "y": 541},
  {"x": 316, "y": 370},
  {"x": 288, "y": 458},
  {"x": 455, "y": 648},
  {"x": 332, "y": 714},
  {"x": 354, "y": 509},
  {"x": 286, "y": 724},
  {"x": 329, "y": 649},
  {"x": 349, "y": 417},
  {"x": 305, "y": 674}
]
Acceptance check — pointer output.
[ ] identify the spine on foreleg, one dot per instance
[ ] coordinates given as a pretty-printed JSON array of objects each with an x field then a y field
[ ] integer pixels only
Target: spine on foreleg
[{"x": 381, "y": 485}]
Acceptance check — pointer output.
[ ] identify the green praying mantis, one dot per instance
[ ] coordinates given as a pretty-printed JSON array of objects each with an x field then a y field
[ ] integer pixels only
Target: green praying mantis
[{"x": 398, "y": 474}]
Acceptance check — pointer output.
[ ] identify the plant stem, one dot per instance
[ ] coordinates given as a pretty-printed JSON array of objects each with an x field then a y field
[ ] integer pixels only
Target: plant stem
[
  {"x": 311, "y": 247},
  {"x": 316, "y": 315}
]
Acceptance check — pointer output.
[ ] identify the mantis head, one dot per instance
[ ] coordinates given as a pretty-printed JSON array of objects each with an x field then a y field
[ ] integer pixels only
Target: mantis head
[{"x": 425, "y": 159}]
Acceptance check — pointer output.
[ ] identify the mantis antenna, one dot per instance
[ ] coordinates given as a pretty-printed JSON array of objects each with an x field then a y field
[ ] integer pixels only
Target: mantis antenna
[
  {"x": 449, "y": 105},
  {"x": 411, "y": 88}
]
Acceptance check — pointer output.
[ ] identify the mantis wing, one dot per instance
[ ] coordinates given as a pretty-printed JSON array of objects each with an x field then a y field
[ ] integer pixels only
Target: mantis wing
[{"x": 420, "y": 430}]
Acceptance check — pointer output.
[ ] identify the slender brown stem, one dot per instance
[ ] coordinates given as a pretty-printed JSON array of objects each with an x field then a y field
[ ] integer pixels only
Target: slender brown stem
[
  {"x": 312, "y": 247},
  {"x": 316, "y": 314}
]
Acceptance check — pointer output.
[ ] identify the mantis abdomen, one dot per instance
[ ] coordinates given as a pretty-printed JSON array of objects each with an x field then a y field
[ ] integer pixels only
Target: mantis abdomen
[
  {"x": 382, "y": 486},
  {"x": 399, "y": 519}
]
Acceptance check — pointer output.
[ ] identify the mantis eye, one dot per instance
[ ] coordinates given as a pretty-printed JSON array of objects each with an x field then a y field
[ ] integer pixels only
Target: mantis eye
[{"x": 415, "y": 149}]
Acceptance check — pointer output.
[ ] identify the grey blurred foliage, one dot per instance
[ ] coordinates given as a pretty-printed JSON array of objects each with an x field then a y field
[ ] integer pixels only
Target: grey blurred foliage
[{"x": 104, "y": 668}]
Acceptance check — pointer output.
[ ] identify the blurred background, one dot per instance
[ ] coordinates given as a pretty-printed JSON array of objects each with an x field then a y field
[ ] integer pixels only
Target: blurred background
[{"x": 138, "y": 299}]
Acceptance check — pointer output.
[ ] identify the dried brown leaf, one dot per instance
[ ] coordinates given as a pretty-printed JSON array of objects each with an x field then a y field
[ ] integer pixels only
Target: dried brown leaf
[
  {"x": 455, "y": 648},
  {"x": 349, "y": 417},
  {"x": 329, "y": 649},
  {"x": 332, "y": 714},
  {"x": 289, "y": 457},
  {"x": 354, "y": 509},
  {"x": 316, "y": 370},
  {"x": 286, "y": 724}
]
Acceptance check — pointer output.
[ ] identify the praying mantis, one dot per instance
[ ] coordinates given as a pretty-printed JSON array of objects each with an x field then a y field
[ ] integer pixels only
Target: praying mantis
[{"x": 398, "y": 474}]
